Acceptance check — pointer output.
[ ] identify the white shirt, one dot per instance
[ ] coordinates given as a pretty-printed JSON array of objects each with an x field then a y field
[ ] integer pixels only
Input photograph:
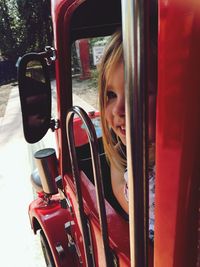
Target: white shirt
[{"x": 151, "y": 198}]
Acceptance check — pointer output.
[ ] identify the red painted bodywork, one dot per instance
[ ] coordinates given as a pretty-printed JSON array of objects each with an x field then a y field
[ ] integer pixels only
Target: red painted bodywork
[
  {"x": 177, "y": 145},
  {"x": 51, "y": 219},
  {"x": 119, "y": 245},
  {"x": 178, "y": 132}
]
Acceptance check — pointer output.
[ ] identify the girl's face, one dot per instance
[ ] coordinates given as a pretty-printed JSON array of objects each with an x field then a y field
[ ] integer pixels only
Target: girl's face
[{"x": 115, "y": 105}]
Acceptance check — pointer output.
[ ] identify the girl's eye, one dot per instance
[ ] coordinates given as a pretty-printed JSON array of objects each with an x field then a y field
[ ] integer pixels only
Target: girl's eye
[{"x": 110, "y": 95}]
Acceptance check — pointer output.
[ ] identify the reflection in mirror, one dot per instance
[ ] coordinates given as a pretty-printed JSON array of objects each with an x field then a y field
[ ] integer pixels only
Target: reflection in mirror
[
  {"x": 35, "y": 95},
  {"x": 86, "y": 55},
  {"x": 34, "y": 70}
]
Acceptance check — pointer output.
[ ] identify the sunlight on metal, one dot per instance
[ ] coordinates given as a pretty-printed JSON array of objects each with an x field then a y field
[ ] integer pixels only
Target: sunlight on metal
[{"x": 132, "y": 41}]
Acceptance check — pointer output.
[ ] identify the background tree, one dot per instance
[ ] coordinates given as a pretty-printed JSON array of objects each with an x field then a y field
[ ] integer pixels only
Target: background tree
[
  {"x": 36, "y": 18},
  {"x": 25, "y": 26},
  {"x": 10, "y": 34}
]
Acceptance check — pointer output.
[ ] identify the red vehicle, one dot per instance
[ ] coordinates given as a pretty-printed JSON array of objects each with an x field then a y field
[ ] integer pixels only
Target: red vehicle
[{"x": 76, "y": 213}]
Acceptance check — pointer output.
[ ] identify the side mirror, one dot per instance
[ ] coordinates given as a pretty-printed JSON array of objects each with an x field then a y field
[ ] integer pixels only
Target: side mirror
[{"x": 35, "y": 95}]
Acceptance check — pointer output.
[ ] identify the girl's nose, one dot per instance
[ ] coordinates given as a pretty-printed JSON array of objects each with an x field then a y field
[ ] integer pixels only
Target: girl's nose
[{"x": 119, "y": 107}]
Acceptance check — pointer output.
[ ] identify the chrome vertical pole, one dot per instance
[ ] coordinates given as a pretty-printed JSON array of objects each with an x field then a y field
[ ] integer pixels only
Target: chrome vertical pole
[{"x": 135, "y": 57}]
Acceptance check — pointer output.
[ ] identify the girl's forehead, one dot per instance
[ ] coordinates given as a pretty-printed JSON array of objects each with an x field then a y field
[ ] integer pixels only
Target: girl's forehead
[{"x": 112, "y": 69}]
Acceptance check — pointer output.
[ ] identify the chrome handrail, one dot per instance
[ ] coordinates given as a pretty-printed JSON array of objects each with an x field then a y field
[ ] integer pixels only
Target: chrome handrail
[
  {"x": 135, "y": 53},
  {"x": 89, "y": 127}
]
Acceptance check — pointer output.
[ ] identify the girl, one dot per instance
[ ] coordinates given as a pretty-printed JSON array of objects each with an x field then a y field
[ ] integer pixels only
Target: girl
[{"x": 112, "y": 112}]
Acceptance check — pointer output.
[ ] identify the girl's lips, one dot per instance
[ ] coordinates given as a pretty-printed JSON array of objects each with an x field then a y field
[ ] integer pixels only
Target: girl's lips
[{"x": 122, "y": 130}]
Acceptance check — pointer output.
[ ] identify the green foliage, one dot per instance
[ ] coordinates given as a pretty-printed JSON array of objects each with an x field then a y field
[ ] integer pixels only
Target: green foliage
[
  {"x": 37, "y": 20},
  {"x": 99, "y": 41},
  {"x": 25, "y": 26},
  {"x": 94, "y": 79},
  {"x": 9, "y": 30}
]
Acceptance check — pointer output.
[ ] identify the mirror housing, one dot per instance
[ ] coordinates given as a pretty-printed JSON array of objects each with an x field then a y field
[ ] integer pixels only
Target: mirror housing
[{"x": 35, "y": 95}]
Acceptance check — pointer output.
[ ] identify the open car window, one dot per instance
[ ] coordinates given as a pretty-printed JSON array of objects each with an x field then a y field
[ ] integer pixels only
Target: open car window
[{"x": 85, "y": 57}]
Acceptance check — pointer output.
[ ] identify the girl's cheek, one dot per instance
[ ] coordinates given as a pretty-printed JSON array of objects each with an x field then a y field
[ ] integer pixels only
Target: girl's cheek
[{"x": 108, "y": 116}]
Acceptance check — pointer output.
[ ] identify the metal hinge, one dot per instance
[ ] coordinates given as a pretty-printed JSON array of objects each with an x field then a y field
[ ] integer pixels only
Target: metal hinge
[
  {"x": 51, "y": 55},
  {"x": 71, "y": 242},
  {"x": 64, "y": 200},
  {"x": 54, "y": 124}
]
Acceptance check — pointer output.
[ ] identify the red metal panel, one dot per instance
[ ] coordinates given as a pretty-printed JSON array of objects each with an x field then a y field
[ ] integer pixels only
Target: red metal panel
[
  {"x": 51, "y": 219},
  {"x": 178, "y": 132},
  {"x": 117, "y": 227},
  {"x": 61, "y": 13}
]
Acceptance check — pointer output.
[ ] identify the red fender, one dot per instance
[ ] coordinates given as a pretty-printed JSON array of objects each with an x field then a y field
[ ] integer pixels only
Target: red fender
[{"x": 51, "y": 219}]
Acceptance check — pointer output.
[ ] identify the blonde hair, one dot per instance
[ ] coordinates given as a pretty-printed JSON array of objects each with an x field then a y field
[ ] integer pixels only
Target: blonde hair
[
  {"x": 114, "y": 148},
  {"x": 113, "y": 55}
]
